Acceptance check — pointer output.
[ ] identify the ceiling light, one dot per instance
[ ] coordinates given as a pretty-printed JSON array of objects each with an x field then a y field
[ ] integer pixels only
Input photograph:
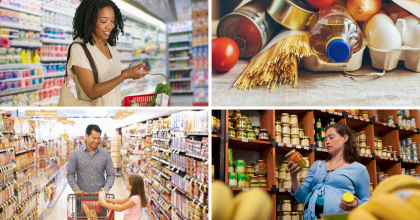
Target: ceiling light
[{"x": 137, "y": 14}]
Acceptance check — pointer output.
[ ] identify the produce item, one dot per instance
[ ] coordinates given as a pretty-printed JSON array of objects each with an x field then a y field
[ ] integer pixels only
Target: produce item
[
  {"x": 334, "y": 35},
  {"x": 221, "y": 199},
  {"x": 385, "y": 37},
  {"x": 363, "y": 10},
  {"x": 396, "y": 182},
  {"x": 411, "y": 39},
  {"x": 161, "y": 89},
  {"x": 277, "y": 64},
  {"x": 225, "y": 54},
  {"x": 412, "y": 21},
  {"x": 319, "y": 4}
]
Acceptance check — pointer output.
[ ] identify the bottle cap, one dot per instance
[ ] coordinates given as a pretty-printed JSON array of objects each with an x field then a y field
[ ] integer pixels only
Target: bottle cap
[
  {"x": 348, "y": 198},
  {"x": 338, "y": 50}
]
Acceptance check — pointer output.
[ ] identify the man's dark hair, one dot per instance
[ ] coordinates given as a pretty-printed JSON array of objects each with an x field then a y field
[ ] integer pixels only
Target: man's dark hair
[
  {"x": 93, "y": 127},
  {"x": 86, "y": 16}
]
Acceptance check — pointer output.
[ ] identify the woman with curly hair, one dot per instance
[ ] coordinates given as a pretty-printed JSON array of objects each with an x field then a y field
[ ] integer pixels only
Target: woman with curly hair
[
  {"x": 97, "y": 24},
  {"x": 327, "y": 181}
]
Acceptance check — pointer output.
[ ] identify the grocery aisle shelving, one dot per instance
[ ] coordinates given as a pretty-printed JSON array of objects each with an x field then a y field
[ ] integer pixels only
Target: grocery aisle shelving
[
  {"x": 19, "y": 9},
  {"x": 19, "y": 26}
]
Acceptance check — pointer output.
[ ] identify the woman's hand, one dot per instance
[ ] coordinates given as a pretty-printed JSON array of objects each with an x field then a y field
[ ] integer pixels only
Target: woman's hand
[
  {"x": 348, "y": 207},
  {"x": 134, "y": 72},
  {"x": 293, "y": 169},
  {"x": 102, "y": 202}
]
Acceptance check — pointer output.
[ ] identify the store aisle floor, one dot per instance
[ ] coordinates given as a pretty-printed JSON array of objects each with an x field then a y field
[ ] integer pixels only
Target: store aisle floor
[{"x": 59, "y": 210}]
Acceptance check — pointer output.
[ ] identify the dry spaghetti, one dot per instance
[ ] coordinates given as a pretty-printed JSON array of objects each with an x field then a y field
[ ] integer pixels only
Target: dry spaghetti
[{"x": 278, "y": 64}]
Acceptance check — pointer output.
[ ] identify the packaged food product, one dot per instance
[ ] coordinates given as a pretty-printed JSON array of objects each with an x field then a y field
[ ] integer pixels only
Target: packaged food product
[
  {"x": 295, "y": 157},
  {"x": 240, "y": 166},
  {"x": 262, "y": 181}
]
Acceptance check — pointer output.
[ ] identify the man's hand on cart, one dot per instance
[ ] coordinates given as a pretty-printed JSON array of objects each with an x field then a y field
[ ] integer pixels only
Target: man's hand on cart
[{"x": 79, "y": 193}]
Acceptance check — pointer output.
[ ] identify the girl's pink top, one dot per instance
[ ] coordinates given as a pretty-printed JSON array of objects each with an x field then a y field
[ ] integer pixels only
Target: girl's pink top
[{"x": 135, "y": 211}]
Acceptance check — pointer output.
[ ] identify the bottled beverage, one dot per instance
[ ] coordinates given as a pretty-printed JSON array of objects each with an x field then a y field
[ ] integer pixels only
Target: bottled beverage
[{"x": 334, "y": 34}]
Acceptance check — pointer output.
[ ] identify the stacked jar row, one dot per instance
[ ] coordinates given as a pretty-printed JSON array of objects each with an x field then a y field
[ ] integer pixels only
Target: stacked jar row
[
  {"x": 287, "y": 211},
  {"x": 408, "y": 149},
  {"x": 288, "y": 131},
  {"x": 405, "y": 120},
  {"x": 241, "y": 175},
  {"x": 283, "y": 180},
  {"x": 320, "y": 131},
  {"x": 241, "y": 127},
  {"x": 410, "y": 172}
]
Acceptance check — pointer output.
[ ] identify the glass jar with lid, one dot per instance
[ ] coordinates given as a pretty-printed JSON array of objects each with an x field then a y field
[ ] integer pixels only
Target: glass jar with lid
[
  {"x": 246, "y": 116},
  {"x": 362, "y": 150},
  {"x": 305, "y": 141},
  {"x": 295, "y": 140},
  {"x": 294, "y": 120},
  {"x": 380, "y": 175},
  {"x": 236, "y": 114},
  {"x": 262, "y": 181},
  {"x": 294, "y": 130},
  {"x": 394, "y": 154},
  {"x": 263, "y": 135},
  {"x": 240, "y": 133},
  {"x": 278, "y": 126},
  {"x": 318, "y": 124},
  {"x": 285, "y": 118},
  {"x": 362, "y": 135},
  {"x": 249, "y": 170},
  {"x": 321, "y": 132},
  {"x": 365, "y": 115},
  {"x": 286, "y": 206},
  {"x": 286, "y": 138},
  {"x": 282, "y": 174},
  {"x": 301, "y": 133},
  {"x": 260, "y": 168},
  {"x": 257, "y": 130},
  {"x": 250, "y": 134},
  {"x": 362, "y": 143},
  {"x": 232, "y": 132},
  {"x": 384, "y": 151},
  {"x": 388, "y": 153},
  {"x": 379, "y": 143},
  {"x": 254, "y": 182},
  {"x": 378, "y": 151},
  {"x": 241, "y": 123},
  {"x": 318, "y": 142},
  {"x": 230, "y": 123},
  {"x": 278, "y": 137},
  {"x": 285, "y": 128},
  {"x": 376, "y": 118},
  {"x": 409, "y": 141},
  {"x": 296, "y": 157},
  {"x": 286, "y": 216},
  {"x": 248, "y": 126},
  {"x": 368, "y": 150}
]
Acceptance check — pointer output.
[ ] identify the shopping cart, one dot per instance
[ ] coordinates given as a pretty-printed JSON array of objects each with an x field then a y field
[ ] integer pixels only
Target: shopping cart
[
  {"x": 75, "y": 209},
  {"x": 139, "y": 98}
]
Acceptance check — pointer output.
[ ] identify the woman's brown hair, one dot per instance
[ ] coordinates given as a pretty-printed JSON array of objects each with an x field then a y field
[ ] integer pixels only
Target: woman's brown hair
[
  {"x": 350, "y": 149},
  {"x": 137, "y": 188}
]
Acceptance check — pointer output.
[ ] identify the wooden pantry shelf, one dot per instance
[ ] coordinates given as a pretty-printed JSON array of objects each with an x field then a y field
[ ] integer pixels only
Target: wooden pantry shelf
[{"x": 247, "y": 144}]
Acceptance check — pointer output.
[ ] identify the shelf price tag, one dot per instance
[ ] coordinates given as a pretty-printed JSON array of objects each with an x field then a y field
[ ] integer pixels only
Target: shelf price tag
[
  {"x": 370, "y": 155},
  {"x": 280, "y": 144},
  {"x": 361, "y": 155},
  {"x": 324, "y": 150},
  {"x": 406, "y": 129},
  {"x": 306, "y": 148},
  {"x": 384, "y": 124},
  {"x": 322, "y": 110},
  {"x": 382, "y": 157},
  {"x": 318, "y": 149},
  {"x": 298, "y": 147},
  {"x": 245, "y": 189},
  {"x": 244, "y": 140},
  {"x": 289, "y": 145},
  {"x": 330, "y": 112},
  {"x": 281, "y": 190}
]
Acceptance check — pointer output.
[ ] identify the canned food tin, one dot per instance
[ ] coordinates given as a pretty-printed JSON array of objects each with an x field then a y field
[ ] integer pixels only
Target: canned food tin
[
  {"x": 254, "y": 182},
  {"x": 247, "y": 181},
  {"x": 415, "y": 152},
  {"x": 233, "y": 180},
  {"x": 230, "y": 167},
  {"x": 293, "y": 14},
  {"x": 285, "y": 118},
  {"x": 250, "y": 27},
  {"x": 241, "y": 180},
  {"x": 240, "y": 166},
  {"x": 400, "y": 119},
  {"x": 362, "y": 150},
  {"x": 408, "y": 157},
  {"x": 415, "y": 157},
  {"x": 379, "y": 143}
]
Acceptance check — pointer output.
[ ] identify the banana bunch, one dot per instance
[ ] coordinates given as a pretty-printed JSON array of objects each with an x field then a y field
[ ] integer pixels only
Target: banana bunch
[
  {"x": 249, "y": 205},
  {"x": 398, "y": 197}
]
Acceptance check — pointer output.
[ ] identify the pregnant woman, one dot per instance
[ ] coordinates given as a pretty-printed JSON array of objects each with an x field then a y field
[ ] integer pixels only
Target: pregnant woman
[
  {"x": 327, "y": 181},
  {"x": 97, "y": 24}
]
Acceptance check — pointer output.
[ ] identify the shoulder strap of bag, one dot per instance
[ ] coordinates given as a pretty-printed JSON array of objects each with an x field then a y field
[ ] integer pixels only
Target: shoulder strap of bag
[
  {"x": 91, "y": 62},
  {"x": 319, "y": 164}
]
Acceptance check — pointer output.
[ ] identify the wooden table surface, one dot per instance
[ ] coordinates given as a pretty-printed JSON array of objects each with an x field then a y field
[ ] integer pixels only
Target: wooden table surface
[{"x": 400, "y": 87}]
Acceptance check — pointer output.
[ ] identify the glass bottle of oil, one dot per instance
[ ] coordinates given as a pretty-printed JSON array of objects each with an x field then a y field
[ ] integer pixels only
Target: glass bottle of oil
[{"x": 334, "y": 34}]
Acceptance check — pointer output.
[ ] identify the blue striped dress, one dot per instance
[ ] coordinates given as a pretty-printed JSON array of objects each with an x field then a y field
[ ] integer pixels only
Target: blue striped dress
[{"x": 353, "y": 178}]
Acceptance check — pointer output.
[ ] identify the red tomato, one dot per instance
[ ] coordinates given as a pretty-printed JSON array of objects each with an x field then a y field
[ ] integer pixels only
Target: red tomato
[
  {"x": 225, "y": 54},
  {"x": 320, "y": 3}
]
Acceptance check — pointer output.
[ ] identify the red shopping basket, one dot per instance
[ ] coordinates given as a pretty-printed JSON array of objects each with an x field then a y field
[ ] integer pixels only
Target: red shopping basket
[
  {"x": 75, "y": 209},
  {"x": 146, "y": 97}
]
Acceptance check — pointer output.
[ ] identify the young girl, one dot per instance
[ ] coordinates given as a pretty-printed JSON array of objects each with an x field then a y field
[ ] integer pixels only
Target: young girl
[{"x": 132, "y": 204}]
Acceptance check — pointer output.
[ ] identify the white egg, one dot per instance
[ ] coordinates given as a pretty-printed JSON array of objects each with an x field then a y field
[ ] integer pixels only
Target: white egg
[
  {"x": 411, "y": 21},
  {"x": 385, "y": 37},
  {"x": 411, "y": 39},
  {"x": 375, "y": 21}
]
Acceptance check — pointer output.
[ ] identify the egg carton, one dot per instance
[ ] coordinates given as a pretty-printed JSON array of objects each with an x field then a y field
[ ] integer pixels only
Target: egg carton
[
  {"x": 388, "y": 59},
  {"x": 312, "y": 63}
]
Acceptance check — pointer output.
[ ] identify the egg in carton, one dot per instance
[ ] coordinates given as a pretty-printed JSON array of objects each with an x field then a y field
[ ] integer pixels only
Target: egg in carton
[{"x": 388, "y": 59}]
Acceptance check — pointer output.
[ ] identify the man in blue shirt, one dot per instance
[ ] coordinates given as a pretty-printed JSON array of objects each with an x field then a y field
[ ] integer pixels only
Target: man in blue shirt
[{"x": 90, "y": 163}]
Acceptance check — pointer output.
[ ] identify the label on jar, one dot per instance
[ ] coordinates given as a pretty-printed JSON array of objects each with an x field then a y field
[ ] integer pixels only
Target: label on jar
[
  {"x": 254, "y": 183},
  {"x": 286, "y": 207},
  {"x": 233, "y": 183},
  {"x": 230, "y": 170}
]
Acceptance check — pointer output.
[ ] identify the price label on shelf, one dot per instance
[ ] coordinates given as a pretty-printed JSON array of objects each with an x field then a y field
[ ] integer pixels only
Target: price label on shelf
[
  {"x": 370, "y": 156},
  {"x": 384, "y": 124},
  {"x": 281, "y": 190},
  {"x": 392, "y": 126},
  {"x": 331, "y": 112},
  {"x": 280, "y": 144},
  {"x": 322, "y": 110},
  {"x": 355, "y": 117},
  {"x": 324, "y": 150},
  {"x": 289, "y": 145},
  {"x": 406, "y": 129},
  {"x": 245, "y": 189},
  {"x": 382, "y": 157},
  {"x": 415, "y": 130},
  {"x": 318, "y": 149},
  {"x": 366, "y": 155},
  {"x": 306, "y": 148},
  {"x": 245, "y": 140},
  {"x": 366, "y": 120},
  {"x": 298, "y": 147},
  {"x": 361, "y": 155}
]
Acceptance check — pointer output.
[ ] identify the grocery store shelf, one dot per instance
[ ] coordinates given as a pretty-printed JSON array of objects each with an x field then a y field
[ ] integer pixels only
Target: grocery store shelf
[
  {"x": 53, "y": 59},
  {"x": 123, "y": 42},
  {"x": 54, "y": 41},
  {"x": 180, "y": 80},
  {"x": 19, "y": 26},
  {"x": 14, "y": 8},
  {"x": 26, "y": 44},
  {"x": 59, "y": 27},
  {"x": 382, "y": 128},
  {"x": 196, "y": 156},
  {"x": 179, "y": 58},
  {"x": 53, "y": 176},
  {"x": 6, "y": 149},
  {"x": 184, "y": 68},
  {"x": 195, "y": 200},
  {"x": 58, "y": 11},
  {"x": 180, "y": 41},
  {"x": 24, "y": 151},
  {"x": 282, "y": 148},
  {"x": 57, "y": 196},
  {"x": 159, "y": 148},
  {"x": 163, "y": 187},
  {"x": 57, "y": 74},
  {"x": 247, "y": 144},
  {"x": 125, "y": 49},
  {"x": 181, "y": 91},
  {"x": 127, "y": 60},
  {"x": 154, "y": 215},
  {"x": 163, "y": 211},
  {"x": 179, "y": 48},
  {"x": 200, "y": 104},
  {"x": 20, "y": 66},
  {"x": 181, "y": 31},
  {"x": 20, "y": 90}
]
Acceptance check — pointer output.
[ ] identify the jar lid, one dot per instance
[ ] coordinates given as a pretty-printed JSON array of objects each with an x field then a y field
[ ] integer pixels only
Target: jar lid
[
  {"x": 248, "y": 167},
  {"x": 278, "y": 122},
  {"x": 241, "y": 130},
  {"x": 295, "y": 126},
  {"x": 414, "y": 143},
  {"x": 255, "y": 126},
  {"x": 305, "y": 137},
  {"x": 250, "y": 131},
  {"x": 293, "y": 115},
  {"x": 375, "y": 115},
  {"x": 295, "y": 135},
  {"x": 300, "y": 129},
  {"x": 409, "y": 138},
  {"x": 290, "y": 153},
  {"x": 263, "y": 129},
  {"x": 286, "y": 135},
  {"x": 286, "y": 200},
  {"x": 362, "y": 132},
  {"x": 278, "y": 132},
  {"x": 367, "y": 147},
  {"x": 394, "y": 151},
  {"x": 261, "y": 175},
  {"x": 365, "y": 112},
  {"x": 249, "y": 123},
  {"x": 285, "y": 124},
  {"x": 379, "y": 140},
  {"x": 282, "y": 169},
  {"x": 284, "y": 114},
  {"x": 380, "y": 172},
  {"x": 348, "y": 197},
  {"x": 260, "y": 160},
  {"x": 230, "y": 127},
  {"x": 371, "y": 183}
]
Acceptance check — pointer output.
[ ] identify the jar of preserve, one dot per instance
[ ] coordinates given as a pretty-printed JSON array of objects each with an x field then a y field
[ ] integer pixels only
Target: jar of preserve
[
  {"x": 240, "y": 133},
  {"x": 296, "y": 157},
  {"x": 286, "y": 216},
  {"x": 263, "y": 135},
  {"x": 260, "y": 168},
  {"x": 380, "y": 175},
  {"x": 236, "y": 114},
  {"x": 386, "y": 176},
  {"x": 304, "y": 173},
  {"x": 414, "y": 146},
  {"x": 294, "y": 120},
  {"x": 282, "y": 174},
  {"x": 247, "y": 181},
  {"x": 394, "y": 154},
  {"x": 246, "y": 116},
  {"x": 286, "y": 138},
  {"x": 254, "y": 181},
  {"x": 362, "y": 143},
  {"x": 295, "y": 140},
  {"x": 403, "y": 142},
  {"x": 280, "y": 182},
  {"x": 388, "y": 153},
  {"x": 249, "y": 170},
  {"x": 409, "y": 141},
  {"x": 232, "y": 132},
  {"x": 403, "y": 156},
  {"x": 301, "y": 133},
  {"x": 241, "y": 123},
  {"x": 379, "y": 143},
  {"x": 285, "y": 119},
  {"x": 378, "y": 151},
  {"x": 277, "y": 173},
  {"x": 404, "y": 122},
  {"x": 412, "y": 171},
  {"x": 278, "y": 137},
  {"x": 286, "y": 206},
  {"x": 250, "y": 134},
  {"x": 278, "y": 126},
  {"x": 384, "y": 152},
  {"x": 365, "y": 115},
  {"x": 230, "y": 123},
  {"x": 248, "y": 126},
  {"x": 368, "y": 150},
  {"x": 304, "y": 141},
  {"x": 362, "y": 135},
  {"x": 285, "y": 128},
  {"x": 357, "y": 143},
  {"x": 294, "y": 130},
  {"x": 262, "y": 181},
  {"x": 362, "y": 150},
  {"x": 257, "y": 130},
  {"x": 322, "y": 132}
]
